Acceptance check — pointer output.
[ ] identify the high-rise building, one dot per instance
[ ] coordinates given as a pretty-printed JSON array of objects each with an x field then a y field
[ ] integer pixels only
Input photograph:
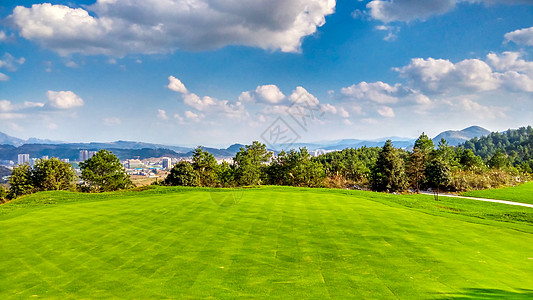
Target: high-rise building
[
  {"x": 92, "y": 153},
  {"x": 23, "y": 158},
  {"x": 167, "y": 163},
  {"x": 84, "y": 155}
]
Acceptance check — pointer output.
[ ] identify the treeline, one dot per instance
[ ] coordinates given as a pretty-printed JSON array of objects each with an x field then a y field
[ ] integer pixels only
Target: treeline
[
  {"x": 101, "y": 173},
  {"x": 516, "y": 145},
  {"x": 390, "y": 169}
]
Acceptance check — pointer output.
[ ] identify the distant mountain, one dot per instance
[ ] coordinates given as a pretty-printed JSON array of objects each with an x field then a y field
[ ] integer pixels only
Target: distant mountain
[
  {"x": 9, "y": 140},
  {"x": 456, "y": 137}
]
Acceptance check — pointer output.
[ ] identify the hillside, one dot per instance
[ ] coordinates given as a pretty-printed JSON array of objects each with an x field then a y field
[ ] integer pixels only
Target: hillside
[
  {"x": 262, "y": 244},
  {"x": 456, "y": 137}
]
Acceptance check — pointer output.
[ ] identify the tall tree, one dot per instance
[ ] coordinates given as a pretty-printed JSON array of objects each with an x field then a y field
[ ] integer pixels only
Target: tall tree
[
  {"x": 52, "y": 175},
  {"x": 388, "y": 174},
  {"x": 498, "y": 160},
  {"x": 20, "y": 182},
  {"x": 206, "y": 165},
  {"x": 249, "y": 163},
  {"x": 104, "y": 172},
  {"x": 418, "y": 159},
  {"x": 438, "y": 175},
  {"x": 182, "y": 174}
]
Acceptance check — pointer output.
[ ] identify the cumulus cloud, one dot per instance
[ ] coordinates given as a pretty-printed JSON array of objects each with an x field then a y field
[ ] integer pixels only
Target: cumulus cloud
[
  {"x": 193, "y": 116},
  {"x": 7, "y": 106},
  {"x": 3, "y": 77},
  {"x": 207, "y": 103},
  {"x": 64, "y": 99},
  {"x": 162, "y": 114},
  {"x": 521, "y": 36},
  {"x": 123, "y": 26},
  {"x": 438, "y": 76},
  {"x": 475, "y": 109},
  {"x": 176, "y": 85},
  {"x": 269, "y": 94},
  {"x": 378, "y": 92},
  {"x": 386, "y": 111},
  {"x": 409, "y": 10},
  {"x": 302, "y": 96},
  {"x": 10, "y": 63}
]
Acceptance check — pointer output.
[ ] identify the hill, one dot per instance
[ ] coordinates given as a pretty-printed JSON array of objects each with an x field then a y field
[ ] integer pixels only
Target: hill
[
  {"x": 262, "y": 244},
  {"x": 456, "y": 137}
]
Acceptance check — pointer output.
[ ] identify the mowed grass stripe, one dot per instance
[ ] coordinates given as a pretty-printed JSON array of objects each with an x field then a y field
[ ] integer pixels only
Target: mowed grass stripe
[
  {"x": 272, "y": 243},
  {"x": 521, "y": 193}
]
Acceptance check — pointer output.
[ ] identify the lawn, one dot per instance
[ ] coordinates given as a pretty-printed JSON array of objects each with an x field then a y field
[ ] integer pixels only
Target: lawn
[
  {"x": 265, "y": 243},
  {"x": 521, "y": 193}
]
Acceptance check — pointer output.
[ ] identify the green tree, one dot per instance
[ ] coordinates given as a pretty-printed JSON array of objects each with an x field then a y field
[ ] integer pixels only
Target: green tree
[
  {"x": 205, "y": 164},
  {"x": 249, "y": 163},
  {"x": 388, "y": 174},
  {"x": 424, "y": 144},
  {"x": 20, "y": 182},
  {"x": 437, "y": 175},
  {"x": 182, "y": 174},
  {"x": 52, "y": 175},
  {"x": 418, "y": 159},
  {"x": 498, "y": 160},
  {"x": 104, "y": 172},
  {"x": 3, "y": 194},
  {"x": 226, "y": 174}
]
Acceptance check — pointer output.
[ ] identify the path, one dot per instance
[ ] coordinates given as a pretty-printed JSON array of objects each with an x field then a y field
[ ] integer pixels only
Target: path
[{"x": 482, "y": 199}]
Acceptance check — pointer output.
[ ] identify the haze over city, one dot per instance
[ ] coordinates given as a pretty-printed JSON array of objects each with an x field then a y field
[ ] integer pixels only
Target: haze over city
[{"x": 215, "y": 73}]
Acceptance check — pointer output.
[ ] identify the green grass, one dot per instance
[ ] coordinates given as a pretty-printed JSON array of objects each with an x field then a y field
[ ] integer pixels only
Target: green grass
[
  {"x": 521, "y": 193},
  {"x": 266, "y": 243}
]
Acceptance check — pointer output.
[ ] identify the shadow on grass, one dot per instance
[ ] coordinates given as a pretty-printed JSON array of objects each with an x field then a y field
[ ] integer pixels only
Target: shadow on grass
[{"x": 475, "y": 293}]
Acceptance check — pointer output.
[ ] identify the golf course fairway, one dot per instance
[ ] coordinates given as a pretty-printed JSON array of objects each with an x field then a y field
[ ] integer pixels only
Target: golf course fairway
[{"x": 268, "y": 243}]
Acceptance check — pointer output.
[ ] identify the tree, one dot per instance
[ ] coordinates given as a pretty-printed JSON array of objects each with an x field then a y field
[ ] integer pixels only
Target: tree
[
  {"x": 52, "y": 175},
  {"x": 422, "y": 152},
  {"x": 20, "y": 182},
  {"x": 388, "y": 174},
  {"x": 182, "y": 174},
  {"x": 249, "y": 162},
  {"x": 226, "y": 174},
  {"x": 498, "y": 160},
  {"x": 205, "y": 164},
  {"x": 104, "y": 172},
  {"x": 3, "y": 194},
  {"x": 437, "y": 175}
]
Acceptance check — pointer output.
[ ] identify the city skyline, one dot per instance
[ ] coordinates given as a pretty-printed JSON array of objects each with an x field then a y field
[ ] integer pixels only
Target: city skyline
[{"x": 118, "y": 70}]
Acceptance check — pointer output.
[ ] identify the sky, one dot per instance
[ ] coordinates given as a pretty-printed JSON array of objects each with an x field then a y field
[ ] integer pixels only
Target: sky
[{"x": 218, "y": 72}]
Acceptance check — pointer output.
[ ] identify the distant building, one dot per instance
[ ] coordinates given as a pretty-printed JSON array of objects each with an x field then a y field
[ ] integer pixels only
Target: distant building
[
  {"x": 92, "y": 153},
  {"x": 167, "y": 163},
  {"x": 134, "y": 164},
  {"x": 84, "y": 155},
  {"x": 44, "y": 157},
  {"x": 65, "y": 160},
  {"x": 23, "y": 158}
]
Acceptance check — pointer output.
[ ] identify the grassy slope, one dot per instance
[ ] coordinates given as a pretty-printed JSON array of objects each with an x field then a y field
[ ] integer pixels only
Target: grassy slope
[
  {"x": 271, "y": 243},
  {"x": 522, "y": 193}
]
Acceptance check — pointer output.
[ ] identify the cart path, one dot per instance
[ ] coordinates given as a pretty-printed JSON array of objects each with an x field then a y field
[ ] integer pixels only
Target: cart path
[{"x": 482, "y": 199}]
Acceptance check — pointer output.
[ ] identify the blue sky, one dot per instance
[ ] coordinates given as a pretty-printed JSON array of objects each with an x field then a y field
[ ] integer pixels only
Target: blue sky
[{"x": 215, "y": 72}]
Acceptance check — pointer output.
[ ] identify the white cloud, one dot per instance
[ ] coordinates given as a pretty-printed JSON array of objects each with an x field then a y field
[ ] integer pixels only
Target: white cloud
[
  {"x": 119, "y": 27},
  {"x": 161, "y": 114},
  {"x": 176, "y": 85},
  {"x": 474, "y": 109},
  {"x": 7, "y": 106},
  {"x": 203, "y": 103},
  {"x": 72, "y": 64},
  {"x": 378, "y": 92},
  {"x": 409, "y": 10},
  {"x": 521, "y": 36},
  {"x": 3, "y": 35},
  {"x": 112, "y": 121},
  {"x": 11, "y": 63},
  {"x": 64, "y": 99},
  {"x": 386, "y": 111},
  {"x": 269, "y": 93},
  {"x": 3, "y": 77},
  {"x": 193, "y": 116},
  {"x": 302, "y": 96},
  {"x": 438, "y": 76}
]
